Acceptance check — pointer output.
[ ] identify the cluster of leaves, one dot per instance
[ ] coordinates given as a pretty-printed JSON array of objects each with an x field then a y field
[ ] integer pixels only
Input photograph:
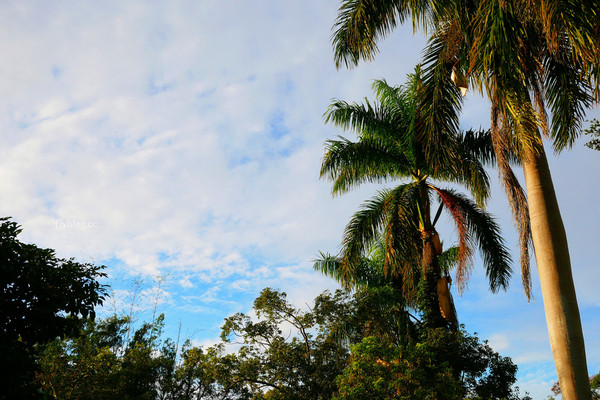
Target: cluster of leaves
[
  {"x": 594, "y": 131},
  {"x": 349, "y": 345},
  {"x": 441, "y": 365},
  {"x": 42, "y": 297},
  {"x": 98, "y": 364}
]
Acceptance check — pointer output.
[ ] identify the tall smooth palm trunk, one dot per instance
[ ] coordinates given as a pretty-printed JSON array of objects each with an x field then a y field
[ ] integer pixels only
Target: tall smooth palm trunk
[{"x": 556, "y": 279}]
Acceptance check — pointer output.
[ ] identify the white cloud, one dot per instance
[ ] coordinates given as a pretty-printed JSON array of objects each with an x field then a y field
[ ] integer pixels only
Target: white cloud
[{"x": 499, "y": 342}]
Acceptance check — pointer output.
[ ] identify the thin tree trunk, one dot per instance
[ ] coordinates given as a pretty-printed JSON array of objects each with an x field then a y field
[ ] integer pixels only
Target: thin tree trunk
[{"x": 556, "y": 279}]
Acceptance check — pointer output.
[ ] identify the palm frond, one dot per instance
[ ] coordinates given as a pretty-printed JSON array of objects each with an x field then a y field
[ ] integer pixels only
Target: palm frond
[
  {"x": 366, "y": 224},
  {"x": 368, "y": 272},
  {"x": 402, "y": 242},
  {"x": 571, "y": 20},
  {"x": 569, "y": 95},
  {"x": 516, "y": 197},
  {"x": 439, "y": 102},
  {"x": 360, "y": 24},
  {"x": 363, "y": 119},
  {"x": 477, "y": 145},
  {"x": 448, "y": 260},
  {"x": 465, "y": 246},
  {"x": 358, "y": 27},
  {"x": 349, "y": 164},
  {"x": 485, "y": 232}
]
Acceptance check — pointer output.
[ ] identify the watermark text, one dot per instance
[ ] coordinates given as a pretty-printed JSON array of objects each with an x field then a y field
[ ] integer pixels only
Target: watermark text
[{"x": 68, "y": 224}]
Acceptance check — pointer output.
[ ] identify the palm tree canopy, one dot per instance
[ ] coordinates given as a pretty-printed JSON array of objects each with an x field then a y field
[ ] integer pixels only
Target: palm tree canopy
[
  {"x": 512, "y": 48},
  {"x": 390, "y": 147}
]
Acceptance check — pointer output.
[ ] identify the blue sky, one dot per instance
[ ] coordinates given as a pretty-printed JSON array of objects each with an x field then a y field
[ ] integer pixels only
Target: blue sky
[{"x": 183, "y": 139}]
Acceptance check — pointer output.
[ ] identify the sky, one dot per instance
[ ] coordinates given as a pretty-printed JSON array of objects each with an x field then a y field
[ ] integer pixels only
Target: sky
[{"x": 179, "y": 144}]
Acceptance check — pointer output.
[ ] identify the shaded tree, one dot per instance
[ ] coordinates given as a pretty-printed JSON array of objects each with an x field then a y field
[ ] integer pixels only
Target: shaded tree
[{"x": 42, "y": 297}]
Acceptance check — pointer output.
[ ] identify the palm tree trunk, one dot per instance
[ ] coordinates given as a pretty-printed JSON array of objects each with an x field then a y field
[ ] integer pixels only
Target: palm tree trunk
[
  {"x": 556, "y": 279},
  {"x": 429, "y": 300},
  {"x": 443, "y": 291}
]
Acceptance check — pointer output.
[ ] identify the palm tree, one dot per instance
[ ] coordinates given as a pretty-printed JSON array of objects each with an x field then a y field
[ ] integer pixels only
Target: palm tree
[
  {"x": 392, "y": 320},
  {"x": 532, "y": 59},
  {"x": 389, "y": 147}
]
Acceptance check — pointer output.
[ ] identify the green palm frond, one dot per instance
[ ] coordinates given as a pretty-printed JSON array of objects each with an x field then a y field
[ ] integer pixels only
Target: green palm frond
[
  {"x": 448, "y": 260},
  {"x": 366, "y": 225},
  {"x": 485, "y": 232},
  {"x": 568, "y": 96},
  {"x": 362, "y": 23},
  {"x": 349, "y": 164},
  {"x": 475, "y": 149},
  {"x": 364, "y": 120},
  {"x": 357, "y": 29},
  {"x": 399, "y": 99},
  {"x": 477, "y": 145},
  {"x": 503, "y": 58},
  {"x": 368, "y": 272},
  {"x": 402, "y": 241},
  {"x": 440, "y": 104}
]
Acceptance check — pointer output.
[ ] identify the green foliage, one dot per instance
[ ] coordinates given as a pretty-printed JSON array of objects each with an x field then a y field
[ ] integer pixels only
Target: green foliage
[
  {"x": 289, "y": 354},
  {"x": 281, "y": 353},
  {"x": 42, "y": 297},
  {"x": 440, "y": 365},
  {"x": 594, "y": 131},
  {"x": 286, "y": 354},
  {"x": 98, "y": 364}
]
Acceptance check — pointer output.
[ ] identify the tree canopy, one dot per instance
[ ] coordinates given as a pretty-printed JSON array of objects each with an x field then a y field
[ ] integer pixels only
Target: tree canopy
[
  {"x": 42, "y": 297},
  {"x": 347, "y": 346}
]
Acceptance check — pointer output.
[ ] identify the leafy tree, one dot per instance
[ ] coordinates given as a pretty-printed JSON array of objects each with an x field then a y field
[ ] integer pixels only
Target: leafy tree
[
  {"x": 390, "y": 146},
  {"x": 310, "y": 361},
  {"x": 286, "y": 354},
  {"x": 533, "y": 59},
  {"x": 594, "y": 132},
  {"x": 42, "y": 297},
  {"x": 442, "y": 365},
  {"x": 100, "y": 364}
]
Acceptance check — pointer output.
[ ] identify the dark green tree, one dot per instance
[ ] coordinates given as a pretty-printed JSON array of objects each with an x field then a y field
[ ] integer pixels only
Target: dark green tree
[
  {"x": 285, "y": 353},
  {"x": 99, "y": 364},
  {"x": 42, "y": 297}
]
